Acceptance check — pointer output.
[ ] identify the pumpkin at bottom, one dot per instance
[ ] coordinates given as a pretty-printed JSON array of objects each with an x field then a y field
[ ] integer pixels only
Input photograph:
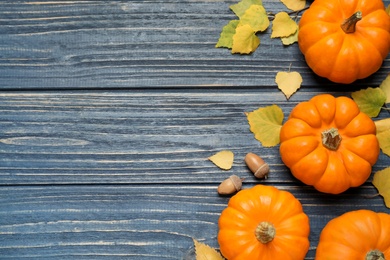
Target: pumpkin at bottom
[
  {"x": 263, "y": 222},
  {"x": 361, "y": 234}
]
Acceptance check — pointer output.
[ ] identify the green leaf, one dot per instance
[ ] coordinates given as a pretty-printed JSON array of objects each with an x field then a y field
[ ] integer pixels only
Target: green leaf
[
  {"x": 265, "y": 124},
  {"x": 245, "y": 40},
  {"x": 240, "y": 8},
  {"x": 381, "y": 182},
  {"x": 370, "y": 100},
  {"x": 283, "y": 25},
  {"x": 385, "y": 86},
  {"x": 256, "y": 17},
  {"x": 290, "y": 39},
  {"x": 226, "y": 37},
  {"x": 383, "y": 135}
]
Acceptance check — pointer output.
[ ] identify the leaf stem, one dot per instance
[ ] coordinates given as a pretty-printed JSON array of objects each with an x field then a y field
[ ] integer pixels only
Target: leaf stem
[{"x": 271, "y": 15}]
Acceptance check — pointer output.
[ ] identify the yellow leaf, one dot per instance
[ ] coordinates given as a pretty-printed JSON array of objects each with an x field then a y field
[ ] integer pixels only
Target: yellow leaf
[
  {"x": 294, "y": 5},
  {"x": 256, "y": 17},
  {"x": 388, "y": 9},
  {"x": 245, "y": 40},
  {"x": 223, "y": 159},
  {"x": 385, "y": 86},
  {"x": 382, "y": 125},
  {"x": 383, "y": 134},
  {"x": 288, "y": 82},
  {"x": 205, "y": 252},
  {"x": 290, "y": 39},
  {"x": 381, "y": 182},
  {"x": 265, "y": 124},
  {"x": 283, "y": 25}
]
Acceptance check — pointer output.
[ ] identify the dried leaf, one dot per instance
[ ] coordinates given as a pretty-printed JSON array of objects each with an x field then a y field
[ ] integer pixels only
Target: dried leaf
[
  {"x": 223, "y": 159},
  {"x": 240, "y": 8},
  {"x": 265, "y": 124},
  {"x": 288, "y": 82},
  {"x": 226, "y": 37},
  {"x": 370, "y": 100},
  {"x": 283, "y": 25},
  {"x": 294, "y": 5},
  {"x": 381, "y": 182},
  {"x": 290, "y": 39},
  {"x": 256, "y": 17},
  {"x": 245, "y": 40},
  {"x": 385, "y": 86},
  {"x": 205, "y": 252},
  {"x": 383, "y": 135}
]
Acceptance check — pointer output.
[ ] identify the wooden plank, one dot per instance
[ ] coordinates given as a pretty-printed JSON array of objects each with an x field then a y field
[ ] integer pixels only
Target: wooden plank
[
  {"x": 133, "y": 137},
  {"x": 136, "y": 222},
  {"x": 130, "y": 44}
]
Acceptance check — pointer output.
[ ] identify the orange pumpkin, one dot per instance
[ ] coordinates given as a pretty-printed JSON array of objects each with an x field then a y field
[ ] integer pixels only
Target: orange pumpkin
[
  {"x": 345, "y": 40},
  {"x": 360, "y": 234},
  {"x": 263, "y": 222},
  {"x": 329, "y": 144}
]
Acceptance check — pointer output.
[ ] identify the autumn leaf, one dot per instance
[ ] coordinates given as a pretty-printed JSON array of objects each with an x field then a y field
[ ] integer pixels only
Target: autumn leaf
[
  {"x": 265, "y": 124},
  {"x": 245, "y": 40},
  {"x": 223, "y": 159},
  {"x": 283, "y": 25},
  {"x": 385, "y": 86},
  {"x": 294, "y": 5},
  {"x": 288, "y": 82},
  {"x": 381, "y": 182},
  {"x": 256, "y": 17},
  {"x": 240, "y": 8},
  {"x": 370, "y": 100},
  {"x": 205, "y": 252},
  {"x": 290, "y": 39},
  {"x": 383, "y": 134},
  {"x": 226, "y": 37}
]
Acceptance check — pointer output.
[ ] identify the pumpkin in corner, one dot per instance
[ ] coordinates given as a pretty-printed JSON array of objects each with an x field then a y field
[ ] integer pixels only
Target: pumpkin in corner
[{"x": 345, "y": 40}]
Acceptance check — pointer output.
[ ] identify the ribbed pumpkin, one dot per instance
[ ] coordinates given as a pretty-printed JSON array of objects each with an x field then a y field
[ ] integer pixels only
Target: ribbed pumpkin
[
  {"x": 361, "y": 234},
  {"x": 263, "y": 223},
  {"x": 329, "y": 143},
  {"x": 345, "y": 40}
]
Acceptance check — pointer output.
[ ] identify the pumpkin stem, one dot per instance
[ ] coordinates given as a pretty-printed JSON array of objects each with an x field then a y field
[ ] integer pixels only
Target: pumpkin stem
[
  {"x": 331, "y": 139},
  {"x": 375, "y": 255},
  {"x": 265, "y": 232},
  {"x": 349, "y": 24}
]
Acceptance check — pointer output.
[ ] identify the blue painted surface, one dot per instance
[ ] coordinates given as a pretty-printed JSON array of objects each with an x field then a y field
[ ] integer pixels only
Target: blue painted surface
[{"x": 108, "y": 113}]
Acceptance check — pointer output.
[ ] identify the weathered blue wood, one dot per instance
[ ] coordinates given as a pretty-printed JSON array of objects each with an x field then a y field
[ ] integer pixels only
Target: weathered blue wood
[
  {"x": 133, "y": 137},
  {"x": 108, "y": 112},
  {"x": 135, "y": 222},
  {"x": 124, "y": 174},
  {"x": 129, "y": 44}
]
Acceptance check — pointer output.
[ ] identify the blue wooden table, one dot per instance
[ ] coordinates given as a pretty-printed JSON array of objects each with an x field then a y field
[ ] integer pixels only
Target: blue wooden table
[{"x": 108, "y": 113}]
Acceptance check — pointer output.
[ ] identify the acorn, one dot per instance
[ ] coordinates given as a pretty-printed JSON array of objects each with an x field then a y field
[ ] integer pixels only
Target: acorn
[
  {"x": 230, "y": 185},
  {"x": 256, "y": 164}
]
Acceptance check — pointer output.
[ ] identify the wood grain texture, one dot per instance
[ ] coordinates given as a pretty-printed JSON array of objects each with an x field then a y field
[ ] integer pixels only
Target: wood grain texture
[
  {"x": 125, "y": 175},
  {"x": 135, "y": 222},
  {"x": 129, "y": 44},
  {"x": 108, "y": 113},
  {"x": 132, "y": 137}
]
